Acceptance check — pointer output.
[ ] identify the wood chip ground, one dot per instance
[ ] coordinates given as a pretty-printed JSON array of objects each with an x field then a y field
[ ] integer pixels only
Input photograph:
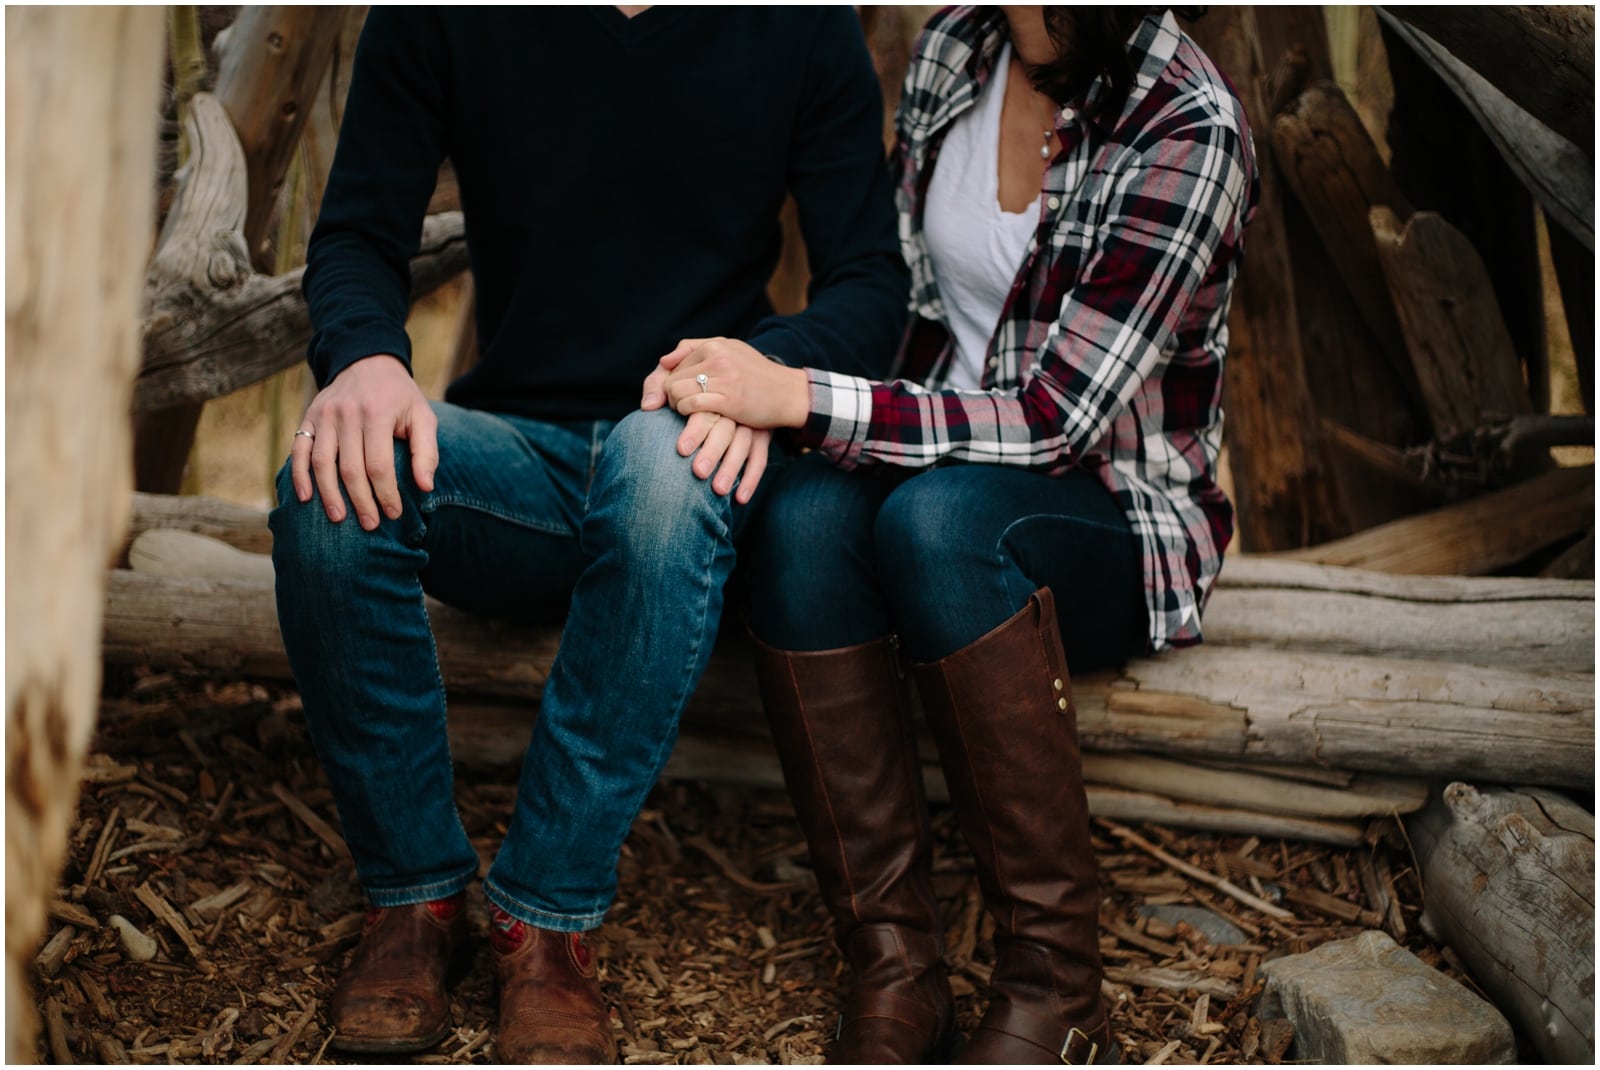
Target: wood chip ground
[{"x": 206, "y": 823}]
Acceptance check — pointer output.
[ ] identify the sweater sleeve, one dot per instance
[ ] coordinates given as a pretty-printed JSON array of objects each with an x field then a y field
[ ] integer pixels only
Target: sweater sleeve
[
  {"x": 391, "y": 142},
  {"x": 856, "y": 300}
]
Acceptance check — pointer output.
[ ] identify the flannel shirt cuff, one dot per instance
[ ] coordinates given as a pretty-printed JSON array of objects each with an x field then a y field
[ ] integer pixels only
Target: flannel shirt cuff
[{"x": 841, "y": 414}]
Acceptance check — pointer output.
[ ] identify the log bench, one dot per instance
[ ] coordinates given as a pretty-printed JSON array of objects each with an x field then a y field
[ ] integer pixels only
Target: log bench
[{"x": 1323, "y": 697}]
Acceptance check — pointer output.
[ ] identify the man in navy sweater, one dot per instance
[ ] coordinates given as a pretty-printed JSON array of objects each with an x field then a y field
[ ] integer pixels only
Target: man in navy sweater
[{"x": 622, "y": 172}]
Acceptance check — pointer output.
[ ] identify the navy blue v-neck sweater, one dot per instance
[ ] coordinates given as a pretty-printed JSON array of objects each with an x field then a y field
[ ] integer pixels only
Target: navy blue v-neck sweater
[{"x": 622, "y": 181}]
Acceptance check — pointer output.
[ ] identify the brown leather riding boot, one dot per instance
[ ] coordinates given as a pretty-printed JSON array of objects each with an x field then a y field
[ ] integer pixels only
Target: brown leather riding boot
[
  {"x": 391, "y": 998},
  {"x": 844, "y": 737},
  {"x": 551, "y": 1009},
  {"x": 1002, "y": 714}
]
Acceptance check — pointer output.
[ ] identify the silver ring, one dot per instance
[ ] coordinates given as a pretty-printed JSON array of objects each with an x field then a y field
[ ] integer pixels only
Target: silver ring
[
  {"x": 307, "y": 434},
  {"x": 703, "y": 380}
]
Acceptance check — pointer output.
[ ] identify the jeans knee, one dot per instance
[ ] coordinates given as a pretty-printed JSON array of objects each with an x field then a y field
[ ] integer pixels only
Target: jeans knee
[
  {"x": 927, "y": 521},
  {"x": 646, "y": 498},
  {"x": 309, "y": 548}
]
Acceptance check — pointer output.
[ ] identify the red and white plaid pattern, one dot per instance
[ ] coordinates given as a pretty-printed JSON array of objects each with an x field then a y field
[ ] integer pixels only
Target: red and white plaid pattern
[{"x": 1108, "y": 354}]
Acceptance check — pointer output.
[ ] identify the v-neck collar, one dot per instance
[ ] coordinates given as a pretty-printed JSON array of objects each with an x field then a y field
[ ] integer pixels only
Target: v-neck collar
[{"x": 639, "y": 27}]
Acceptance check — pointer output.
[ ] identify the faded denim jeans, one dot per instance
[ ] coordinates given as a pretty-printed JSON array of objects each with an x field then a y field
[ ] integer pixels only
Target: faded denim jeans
[{"x": 600, "y": 524}]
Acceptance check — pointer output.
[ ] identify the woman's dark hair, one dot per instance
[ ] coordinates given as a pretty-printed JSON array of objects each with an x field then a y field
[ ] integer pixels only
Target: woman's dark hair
[{"x": 1090, "y": 42}]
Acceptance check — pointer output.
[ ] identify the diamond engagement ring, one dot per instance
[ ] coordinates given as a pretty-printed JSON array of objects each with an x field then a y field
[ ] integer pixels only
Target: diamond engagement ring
[{"x": 702, "y": 380}]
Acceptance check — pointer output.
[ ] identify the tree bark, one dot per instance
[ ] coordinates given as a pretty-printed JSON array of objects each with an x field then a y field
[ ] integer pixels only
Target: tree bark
[
  {"x": 81, "y": 126},
  {"x": 1508, "y": 883},
  {"x": 1541, "y": 56}
]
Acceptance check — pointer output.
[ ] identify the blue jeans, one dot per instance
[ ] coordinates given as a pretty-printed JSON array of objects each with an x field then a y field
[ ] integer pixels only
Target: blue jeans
[
  {"x": 601, "y": 524},
  {"x": 940, "y": 557}
]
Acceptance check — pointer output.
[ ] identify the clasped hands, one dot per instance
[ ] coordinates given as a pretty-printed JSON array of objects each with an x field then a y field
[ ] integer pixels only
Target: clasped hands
[
  {"x": 347, "y": 435},
  {"x": 733, "y": 397}
]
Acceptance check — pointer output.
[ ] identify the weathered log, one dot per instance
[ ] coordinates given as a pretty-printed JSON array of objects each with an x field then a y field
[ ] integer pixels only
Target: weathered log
[
  {"x": 273, "y": 59},
  {"x": 1508, "y": 883},
  {"x": 213, "y": 325},
  {"x": 240, "y": 526},
  {"x": 1542, "y": 57},
  {"x": 1352, "y": 711},
  {"x": 496, "y": 735},
  {"x": 1331, "y": 164},
  {"x": 80, "y": 130},
  {"x": 1530, "y": 625},
  {"x": 1260, "y": 602},
  {"x": 1285, "y": 497},
  {"x": 1472, "y": 537},
  {"x": 1458, "y": 344}
]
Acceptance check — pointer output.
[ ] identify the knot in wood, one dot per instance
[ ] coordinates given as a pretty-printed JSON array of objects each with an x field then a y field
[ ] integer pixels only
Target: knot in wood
[{"x": 228, "y": 265}]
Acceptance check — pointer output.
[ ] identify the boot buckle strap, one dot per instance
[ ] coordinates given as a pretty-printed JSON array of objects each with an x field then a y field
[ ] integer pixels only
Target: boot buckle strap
[{"x": 1072, "y": 1049}]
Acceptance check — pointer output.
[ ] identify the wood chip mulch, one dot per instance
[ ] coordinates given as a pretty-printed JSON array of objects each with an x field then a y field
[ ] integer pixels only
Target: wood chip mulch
[{"x": 206, "y": 834}]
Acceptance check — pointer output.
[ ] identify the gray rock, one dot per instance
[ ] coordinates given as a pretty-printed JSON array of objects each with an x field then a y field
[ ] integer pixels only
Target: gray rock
[
  {"x": 1216, "y": 928},
  {"x": 1369, "y": 1000}
]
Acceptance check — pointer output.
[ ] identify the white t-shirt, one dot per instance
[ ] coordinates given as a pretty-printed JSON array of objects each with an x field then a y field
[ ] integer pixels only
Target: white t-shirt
[{"x": 976, "y": 247}]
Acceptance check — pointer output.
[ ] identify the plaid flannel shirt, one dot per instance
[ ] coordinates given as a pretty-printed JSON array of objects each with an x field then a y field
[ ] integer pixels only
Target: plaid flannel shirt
[{"x": 1108, "y": 354}]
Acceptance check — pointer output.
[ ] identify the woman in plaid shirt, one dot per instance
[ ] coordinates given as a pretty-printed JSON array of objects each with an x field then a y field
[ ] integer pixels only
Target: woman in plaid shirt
[{"x": 1037, "y": 488}]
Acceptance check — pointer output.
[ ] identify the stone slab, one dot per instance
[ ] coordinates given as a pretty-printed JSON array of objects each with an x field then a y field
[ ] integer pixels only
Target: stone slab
[{"x": 1369, "y": 1000}]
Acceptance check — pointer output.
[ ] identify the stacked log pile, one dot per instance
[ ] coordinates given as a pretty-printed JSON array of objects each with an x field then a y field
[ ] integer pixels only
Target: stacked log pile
[{"x": 1325, "y": 696}]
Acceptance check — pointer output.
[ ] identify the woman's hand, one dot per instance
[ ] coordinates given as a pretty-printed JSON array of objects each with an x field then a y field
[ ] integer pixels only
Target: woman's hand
[{"x": 740, "y": 384}]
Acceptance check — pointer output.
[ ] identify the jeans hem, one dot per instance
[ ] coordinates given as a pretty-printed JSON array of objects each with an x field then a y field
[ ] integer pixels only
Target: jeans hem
[
  {"x": 420, "y": 893},
  {"x": 543, "y": 919}
]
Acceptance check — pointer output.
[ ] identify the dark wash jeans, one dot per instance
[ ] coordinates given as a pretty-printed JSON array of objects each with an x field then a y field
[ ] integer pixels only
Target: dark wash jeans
[
  {"x": 940, "y": 557},
  {"x": 600, "y": 524}
]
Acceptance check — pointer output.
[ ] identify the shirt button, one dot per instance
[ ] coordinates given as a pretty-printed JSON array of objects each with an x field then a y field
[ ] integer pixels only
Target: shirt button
[
  {"x": 1061, "y": 702},
  {"x": 1054, "y": 203},
  {"x": 1058, "y": 685},
  {"x": 994, "y": 362}
]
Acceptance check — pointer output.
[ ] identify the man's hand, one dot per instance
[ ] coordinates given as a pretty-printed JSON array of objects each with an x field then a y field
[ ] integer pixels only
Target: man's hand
[
  {"x": 351, "y": 429},
  {"x": 736, "y": 446}
]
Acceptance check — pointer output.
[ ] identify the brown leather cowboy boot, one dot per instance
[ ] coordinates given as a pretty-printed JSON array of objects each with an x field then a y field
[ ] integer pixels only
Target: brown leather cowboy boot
[
  {"x": 1002, "y": 714},
  {"x": 844, "y": 736},
  {"x": 391, "y": 998},
  {"x": 551, "y": 1009}
]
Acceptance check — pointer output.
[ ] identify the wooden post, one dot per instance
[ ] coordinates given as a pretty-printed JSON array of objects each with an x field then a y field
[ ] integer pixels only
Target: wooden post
[
  {"x": 1285, "y": 496},
  {"x": 275, "y": 59},
  {"x": 82, "y": 88}
]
